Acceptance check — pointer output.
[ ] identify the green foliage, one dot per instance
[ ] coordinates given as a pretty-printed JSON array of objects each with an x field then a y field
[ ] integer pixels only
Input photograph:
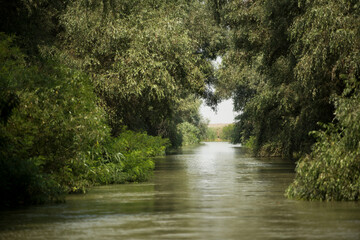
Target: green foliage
[
  {"x": 331, "y": 171},
  {"x": 286, "y": 61},
  {"x": 211, "y": 135},
  {"x": 220, "y": 133},
  {"x": 250, "y": 143},
  {"x": 22, "y": 180},
  {"x": 185, "y": 111},
  {"x": 57, "y": 118},
  {"x": 142, "y": 56},
  {"x": 282, "y": 67},
  {"x": 228, "y": 132},
  {"x": 146, "y": 63},
  {"x": 328, "y": 47},
  {"x": 55, "y": 140},
  {"x": 126, "y": 158},
  {"x": 258, "y": 72},
  {"x": 12, "y": 66},
  {"x": 149, "y": 146},
  {"x": 189, "y": 133}
]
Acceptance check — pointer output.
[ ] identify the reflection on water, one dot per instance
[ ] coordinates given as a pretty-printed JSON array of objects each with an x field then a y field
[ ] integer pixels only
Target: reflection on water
[{"x": 212, "y": 191}]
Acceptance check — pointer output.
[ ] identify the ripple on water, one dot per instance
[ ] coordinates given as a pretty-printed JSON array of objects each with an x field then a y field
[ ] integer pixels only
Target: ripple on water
[{"x": 212, "y": 191}]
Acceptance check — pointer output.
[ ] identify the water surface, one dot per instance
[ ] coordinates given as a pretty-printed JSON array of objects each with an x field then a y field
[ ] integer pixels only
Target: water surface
[{"x": 212, "y": 191}]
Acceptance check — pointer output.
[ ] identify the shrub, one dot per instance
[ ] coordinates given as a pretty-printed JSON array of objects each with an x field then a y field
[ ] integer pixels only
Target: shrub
[
  {"x": 332, "y": 170},
  {"x": 189, "y": 133},
  {"x": 55, "y": 120},
  {"x": 126, "y": 158}
]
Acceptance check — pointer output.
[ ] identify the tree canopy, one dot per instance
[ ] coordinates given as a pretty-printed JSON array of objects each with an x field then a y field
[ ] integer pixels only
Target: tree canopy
[
  {"x": 291, "y": 65},
  {"x": 84, "y": 82}
]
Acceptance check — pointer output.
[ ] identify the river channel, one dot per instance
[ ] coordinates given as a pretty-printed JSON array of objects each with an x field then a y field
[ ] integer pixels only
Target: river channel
[{"x": 211, "y": 191}]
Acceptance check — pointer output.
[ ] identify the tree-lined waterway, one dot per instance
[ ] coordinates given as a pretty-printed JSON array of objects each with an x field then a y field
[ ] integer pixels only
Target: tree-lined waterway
[{"x": 211, "y": 191}]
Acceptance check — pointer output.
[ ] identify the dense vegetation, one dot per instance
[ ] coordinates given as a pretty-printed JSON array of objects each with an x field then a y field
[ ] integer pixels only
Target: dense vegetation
[
  {"x": 54, "y": 137},
  {"x": 216, "y": 133},
  {"x": 292, "y": 68},
  {"x": 91, "y": 90}
]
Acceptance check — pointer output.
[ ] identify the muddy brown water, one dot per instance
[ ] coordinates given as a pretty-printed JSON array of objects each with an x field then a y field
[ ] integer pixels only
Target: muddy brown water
[{"x": 211, "y": 191}]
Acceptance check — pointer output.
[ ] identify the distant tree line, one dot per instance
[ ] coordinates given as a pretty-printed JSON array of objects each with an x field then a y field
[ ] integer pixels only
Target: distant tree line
[{"x": 219, "y": 133}]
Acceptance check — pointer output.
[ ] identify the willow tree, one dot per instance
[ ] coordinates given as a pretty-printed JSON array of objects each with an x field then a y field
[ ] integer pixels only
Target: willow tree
[
  {"x": 144, "y": 56},
  {"x": 260, "y": 72},
  {"x": 328, "y": 49},
  {"x": 293, "y": 69}
]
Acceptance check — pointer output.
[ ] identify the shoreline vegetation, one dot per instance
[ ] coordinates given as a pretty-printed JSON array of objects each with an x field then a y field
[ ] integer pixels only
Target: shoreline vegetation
[
  {"x": 90, "y": 91},
  {"x": 221, "y": 132},
  {"x": 292, "y": 69}
]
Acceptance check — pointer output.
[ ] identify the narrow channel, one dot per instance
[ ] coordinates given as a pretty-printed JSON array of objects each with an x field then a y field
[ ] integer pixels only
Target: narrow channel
[{"x": 211, "y": 191}]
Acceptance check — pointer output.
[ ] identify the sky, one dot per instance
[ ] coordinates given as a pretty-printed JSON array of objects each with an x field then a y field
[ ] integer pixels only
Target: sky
[{"x": 225, "y": 113}]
